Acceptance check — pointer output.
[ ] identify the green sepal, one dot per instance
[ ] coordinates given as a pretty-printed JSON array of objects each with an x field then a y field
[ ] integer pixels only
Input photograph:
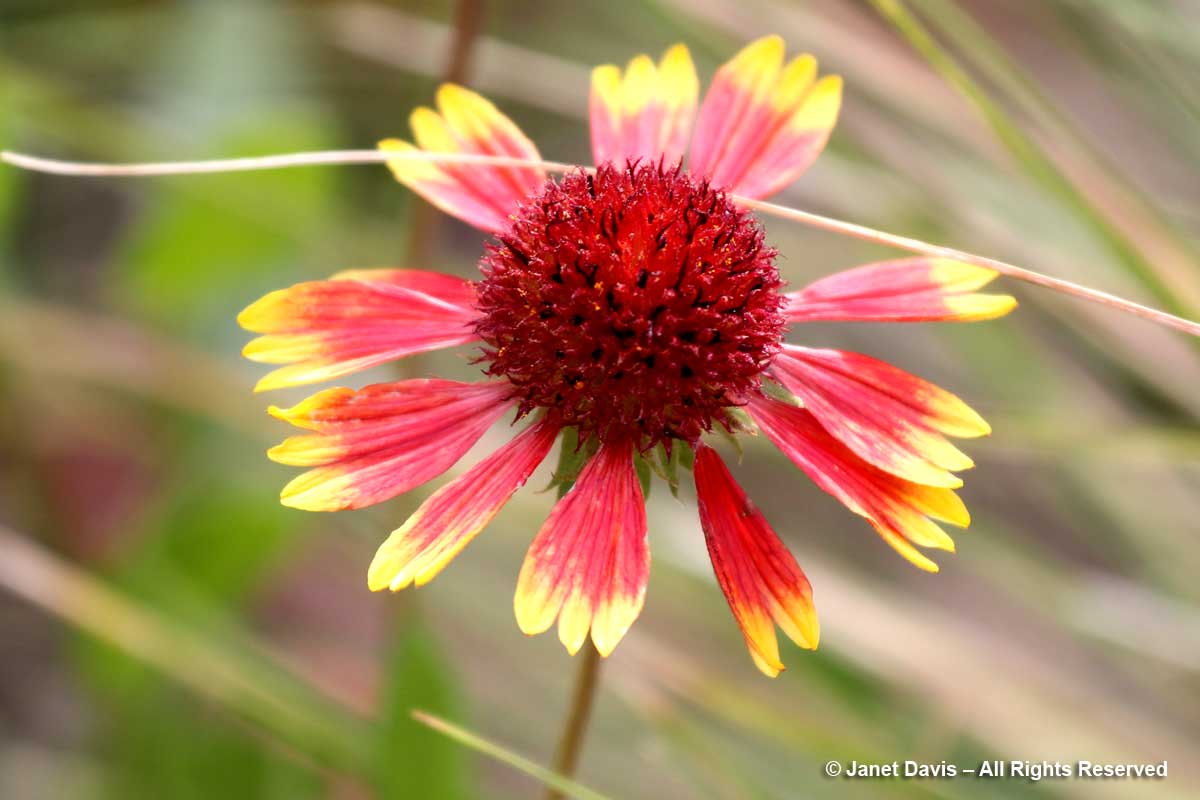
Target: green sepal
[
  {"x": 644, "y": 472},
  {"x": 571, "y": 458}
]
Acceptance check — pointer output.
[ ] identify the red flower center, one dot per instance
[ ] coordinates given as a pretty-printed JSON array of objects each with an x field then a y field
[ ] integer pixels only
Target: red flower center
[{"x": 633, "y": 302}]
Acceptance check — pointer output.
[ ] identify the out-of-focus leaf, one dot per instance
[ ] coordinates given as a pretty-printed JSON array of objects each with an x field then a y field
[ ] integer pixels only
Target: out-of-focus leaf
[
  {"x": 158, "y": 744},
  {"x": 221, "y": 665},
  {"x": 195, "y": 257},
  {"x": 225, "y": 77},
  {"x": 8, "y": 190},
  {"x": 411, "y": 760},
  {"x": 222, "y": 531}
]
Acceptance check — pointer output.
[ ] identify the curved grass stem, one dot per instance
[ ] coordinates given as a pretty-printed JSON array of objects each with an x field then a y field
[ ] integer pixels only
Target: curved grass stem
[
  {"x": 254, "y": 163},
  {"x": 855, "y": 230},
  {"x": 1003, "y": 267}
]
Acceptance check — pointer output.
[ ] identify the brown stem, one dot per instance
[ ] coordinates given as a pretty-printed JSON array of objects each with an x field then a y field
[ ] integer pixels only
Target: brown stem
[
  {"x": 570, "y": 741},
  {"x": 468, "y": 20}
]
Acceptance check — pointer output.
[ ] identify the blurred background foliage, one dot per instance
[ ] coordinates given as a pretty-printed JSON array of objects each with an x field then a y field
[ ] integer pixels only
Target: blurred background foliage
[{"x": 189, "y": 637}]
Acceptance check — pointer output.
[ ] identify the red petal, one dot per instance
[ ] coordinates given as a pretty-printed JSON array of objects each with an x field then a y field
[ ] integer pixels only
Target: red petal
[
  {"x": 888, "y": 417},
  {"x": 898, "y": 509},
  {"x": 759, "y": 576},
  {"x": 383, "y": 440},
  {"x": 763, "y": 123},
  {"x": 465, "y": 122},
  {"x": 645, "y": 113},
  {"x": 325, "y": 329},
  {"x": 907, "y": 290},
  {"x": 589, "y": 564},
  {"x": 447, "y": 288},
  {"x": 447, "y": 521}
]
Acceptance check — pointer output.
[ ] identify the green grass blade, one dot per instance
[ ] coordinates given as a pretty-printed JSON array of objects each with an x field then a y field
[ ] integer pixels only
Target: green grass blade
[
  {"x": 506, "y": 756},
  {"x": 245, "y": 683},
  {"x": 979, "y": 48},
  {"x": 1036, "y": 163}
]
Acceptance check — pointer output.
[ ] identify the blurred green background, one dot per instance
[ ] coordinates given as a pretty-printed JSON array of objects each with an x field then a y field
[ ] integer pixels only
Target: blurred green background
[{"x": 137, "y": 506}]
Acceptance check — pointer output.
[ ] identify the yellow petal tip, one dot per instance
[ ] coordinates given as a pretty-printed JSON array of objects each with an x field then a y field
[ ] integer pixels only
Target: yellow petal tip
[
  {"x": 770, "y": 668},
  {"x": 605, "y": 649},
  {"x": 961, "y": 274},
  {"x": 677, "y": 53},
  {"x": 384, "y": 570},
  {"x": 772, "y": 41}
]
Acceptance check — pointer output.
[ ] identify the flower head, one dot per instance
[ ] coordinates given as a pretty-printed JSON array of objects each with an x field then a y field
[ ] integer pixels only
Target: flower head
[
  {"x": 633, "y": 303},
  {"x": 638, "y": 306}
]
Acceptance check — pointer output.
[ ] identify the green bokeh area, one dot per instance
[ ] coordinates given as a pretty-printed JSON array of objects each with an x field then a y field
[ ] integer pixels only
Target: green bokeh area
[{"x": 193, "y": 639}]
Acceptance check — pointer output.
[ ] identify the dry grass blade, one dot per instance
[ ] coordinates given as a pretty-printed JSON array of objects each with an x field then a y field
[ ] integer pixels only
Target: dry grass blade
[{"x": 288, "y": 160}]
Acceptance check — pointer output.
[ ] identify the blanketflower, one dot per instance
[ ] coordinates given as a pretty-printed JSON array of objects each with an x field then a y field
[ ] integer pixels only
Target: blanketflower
[{"x": 638, "y": 308}]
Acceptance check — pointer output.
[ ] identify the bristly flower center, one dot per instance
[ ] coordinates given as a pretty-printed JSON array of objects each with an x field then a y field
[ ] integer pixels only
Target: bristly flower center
[{"x": 637, "y": 301}]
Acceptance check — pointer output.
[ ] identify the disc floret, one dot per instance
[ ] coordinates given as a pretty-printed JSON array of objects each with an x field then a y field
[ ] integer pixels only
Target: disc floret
[{"x": 635, "y": 301}]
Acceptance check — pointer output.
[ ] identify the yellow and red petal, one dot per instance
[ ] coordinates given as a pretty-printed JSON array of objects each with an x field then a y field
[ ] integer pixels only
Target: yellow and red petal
[
  {"x": 762, "y": 123},
  {"x": 481, "y": 195},
  {"x": 447, "y": 288},
  {"x": 380, "y": 441},
  {"x": 761, "y": 580},
  {"x": 888, "y": 417},
  {"x": 901, "y": 511},
  {"x": 454, "y": 515},
  {"x": 324, "y": 329},
  {"x": 589, "y": 564},
  {"x": 906, "y": 290},
  {"x": 645, "y": 113}
]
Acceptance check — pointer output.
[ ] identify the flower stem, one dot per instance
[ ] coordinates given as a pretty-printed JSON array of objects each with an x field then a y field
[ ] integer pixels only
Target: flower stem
[{"x": 570, "y": 741}]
